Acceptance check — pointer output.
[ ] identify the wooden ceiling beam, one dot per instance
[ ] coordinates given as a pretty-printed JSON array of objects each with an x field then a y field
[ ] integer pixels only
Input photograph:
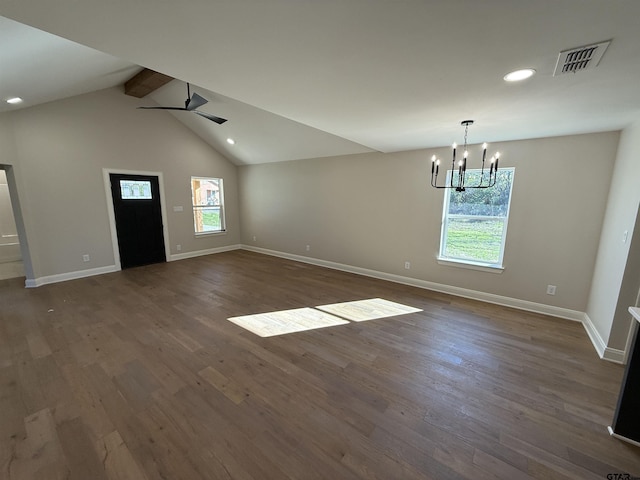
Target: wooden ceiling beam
[{"x": 145, "y": 82}]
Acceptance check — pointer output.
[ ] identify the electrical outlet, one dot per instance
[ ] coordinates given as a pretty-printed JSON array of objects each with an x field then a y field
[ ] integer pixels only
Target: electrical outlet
[
  {"x": 407, "y": 265},
  {"x": 86, "y": 258},
  {"x": 308, "y": 247},
  {"x": 254, "y": 238},
  {"x": 178, "y": 247},
  {"x": 551, "y": 289}
]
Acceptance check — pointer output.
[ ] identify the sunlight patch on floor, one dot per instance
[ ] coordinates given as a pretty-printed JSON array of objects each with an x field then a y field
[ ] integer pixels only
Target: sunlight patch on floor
[
  {"x": 286, "y": 321},
  {"x": 370, "y": 309},
  {"x": 302, "y": 319}
]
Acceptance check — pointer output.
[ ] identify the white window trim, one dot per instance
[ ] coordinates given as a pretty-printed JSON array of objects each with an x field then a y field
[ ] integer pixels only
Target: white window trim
[
  {"x": 206, "y": 234},
  {"x": 471, "y": 265},
  {"x": 497, "y": 267}
]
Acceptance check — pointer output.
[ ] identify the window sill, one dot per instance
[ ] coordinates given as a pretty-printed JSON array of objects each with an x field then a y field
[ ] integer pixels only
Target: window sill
[
  {"x": 482, "y": 267},
  {"x": 206, "y": 234}
]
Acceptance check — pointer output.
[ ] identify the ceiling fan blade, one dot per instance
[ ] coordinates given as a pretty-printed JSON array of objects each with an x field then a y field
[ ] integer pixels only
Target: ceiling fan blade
[
  {"x": 163, "y": 108},
  {"x": 196, "y": 101},
  {"x": 213, "y": 118}
]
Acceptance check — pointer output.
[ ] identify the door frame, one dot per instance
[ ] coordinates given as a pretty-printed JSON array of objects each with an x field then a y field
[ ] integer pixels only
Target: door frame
[{"x": 112, "y": 217}]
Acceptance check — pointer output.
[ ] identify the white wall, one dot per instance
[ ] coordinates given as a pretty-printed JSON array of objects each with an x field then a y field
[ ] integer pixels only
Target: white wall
[
  {"x": 60, "y": 150},
  {"x": 376, "y": 211},
  {"x": 616, "y": 279}
]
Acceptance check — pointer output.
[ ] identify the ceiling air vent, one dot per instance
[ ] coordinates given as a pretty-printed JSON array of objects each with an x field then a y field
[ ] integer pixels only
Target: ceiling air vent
[{"x": 582, "y": 58}]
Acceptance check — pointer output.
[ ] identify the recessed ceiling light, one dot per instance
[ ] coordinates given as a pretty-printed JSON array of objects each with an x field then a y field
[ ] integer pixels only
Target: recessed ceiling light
[
  {"x": 231, "y": 141},
  {"x": 14, "y": 100},
  {"x": 519, "y": 75}
]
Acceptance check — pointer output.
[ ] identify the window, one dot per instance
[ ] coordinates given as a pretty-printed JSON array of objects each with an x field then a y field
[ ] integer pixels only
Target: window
[
  {"x": 135, "y": 190},
  {"x": 208, "y": 205},
  {"x": 474, "y": 223}
]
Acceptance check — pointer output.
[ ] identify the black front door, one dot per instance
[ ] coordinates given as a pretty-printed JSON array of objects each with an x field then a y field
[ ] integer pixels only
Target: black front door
[{"x": 138, "y": 215}]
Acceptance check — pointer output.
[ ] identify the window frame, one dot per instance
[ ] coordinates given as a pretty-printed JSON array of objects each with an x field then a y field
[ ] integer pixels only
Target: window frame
[
  {"x": 493, "y": 267},
  {"x": 220, "y": 206}
]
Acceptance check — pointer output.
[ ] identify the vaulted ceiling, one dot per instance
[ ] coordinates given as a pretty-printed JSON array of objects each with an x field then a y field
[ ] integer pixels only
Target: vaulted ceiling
[{"x": 306, "y": 78}]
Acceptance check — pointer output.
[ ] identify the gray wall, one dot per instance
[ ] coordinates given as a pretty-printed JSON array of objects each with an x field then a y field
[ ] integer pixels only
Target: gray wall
[
  {"x": 616, "y": 279},
  {"x": 377, "y": 211},
  {"x": 60, "y": 150}
]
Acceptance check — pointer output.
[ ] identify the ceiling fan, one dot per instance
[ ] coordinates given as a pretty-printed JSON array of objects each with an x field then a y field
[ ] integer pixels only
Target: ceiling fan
[{"x": 191, "y": 103}]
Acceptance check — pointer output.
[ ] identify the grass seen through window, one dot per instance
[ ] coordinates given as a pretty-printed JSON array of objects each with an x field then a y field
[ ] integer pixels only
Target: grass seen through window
[
  {"x": 474, "y": 239},
  {"x": 475, "y": 221},
  {"x": 211, "y": 220}
]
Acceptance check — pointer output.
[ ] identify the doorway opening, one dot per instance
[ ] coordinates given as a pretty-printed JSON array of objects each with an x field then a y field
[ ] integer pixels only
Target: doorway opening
[
  {"x": 11, "y": 264},
  {"x": 15, "y": 259}
]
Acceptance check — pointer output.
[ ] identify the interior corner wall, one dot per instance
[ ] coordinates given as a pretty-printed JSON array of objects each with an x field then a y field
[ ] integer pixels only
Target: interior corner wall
[
  {"x": 614, "y": 282},
  {"x": 61, "y": 148},
  {"x": 377, "y": 211}
]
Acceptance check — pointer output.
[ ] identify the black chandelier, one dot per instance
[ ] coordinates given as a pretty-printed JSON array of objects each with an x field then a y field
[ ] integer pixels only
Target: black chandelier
[{"x": 460, "y": 185}]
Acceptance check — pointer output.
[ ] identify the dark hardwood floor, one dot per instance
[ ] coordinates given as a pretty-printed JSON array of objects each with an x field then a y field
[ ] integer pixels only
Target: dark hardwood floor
[{"x": 139, "y": 375}]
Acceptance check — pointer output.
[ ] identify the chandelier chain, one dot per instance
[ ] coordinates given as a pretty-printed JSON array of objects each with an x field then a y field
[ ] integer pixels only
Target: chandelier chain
[{"x": 466, "y": 130}]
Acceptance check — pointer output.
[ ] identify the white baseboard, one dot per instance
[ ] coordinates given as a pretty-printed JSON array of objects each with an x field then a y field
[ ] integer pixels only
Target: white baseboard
[
  {"x": 605, "y": 353},
  {"x": 614, "y": 355},
  {"x": 624, "y": 439},
  {"x": 597, "y": 341},
  {"x": 200, "y": 253},
  {"x": 437, "y": 287},
  {"x": 63, "y": 277}
]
